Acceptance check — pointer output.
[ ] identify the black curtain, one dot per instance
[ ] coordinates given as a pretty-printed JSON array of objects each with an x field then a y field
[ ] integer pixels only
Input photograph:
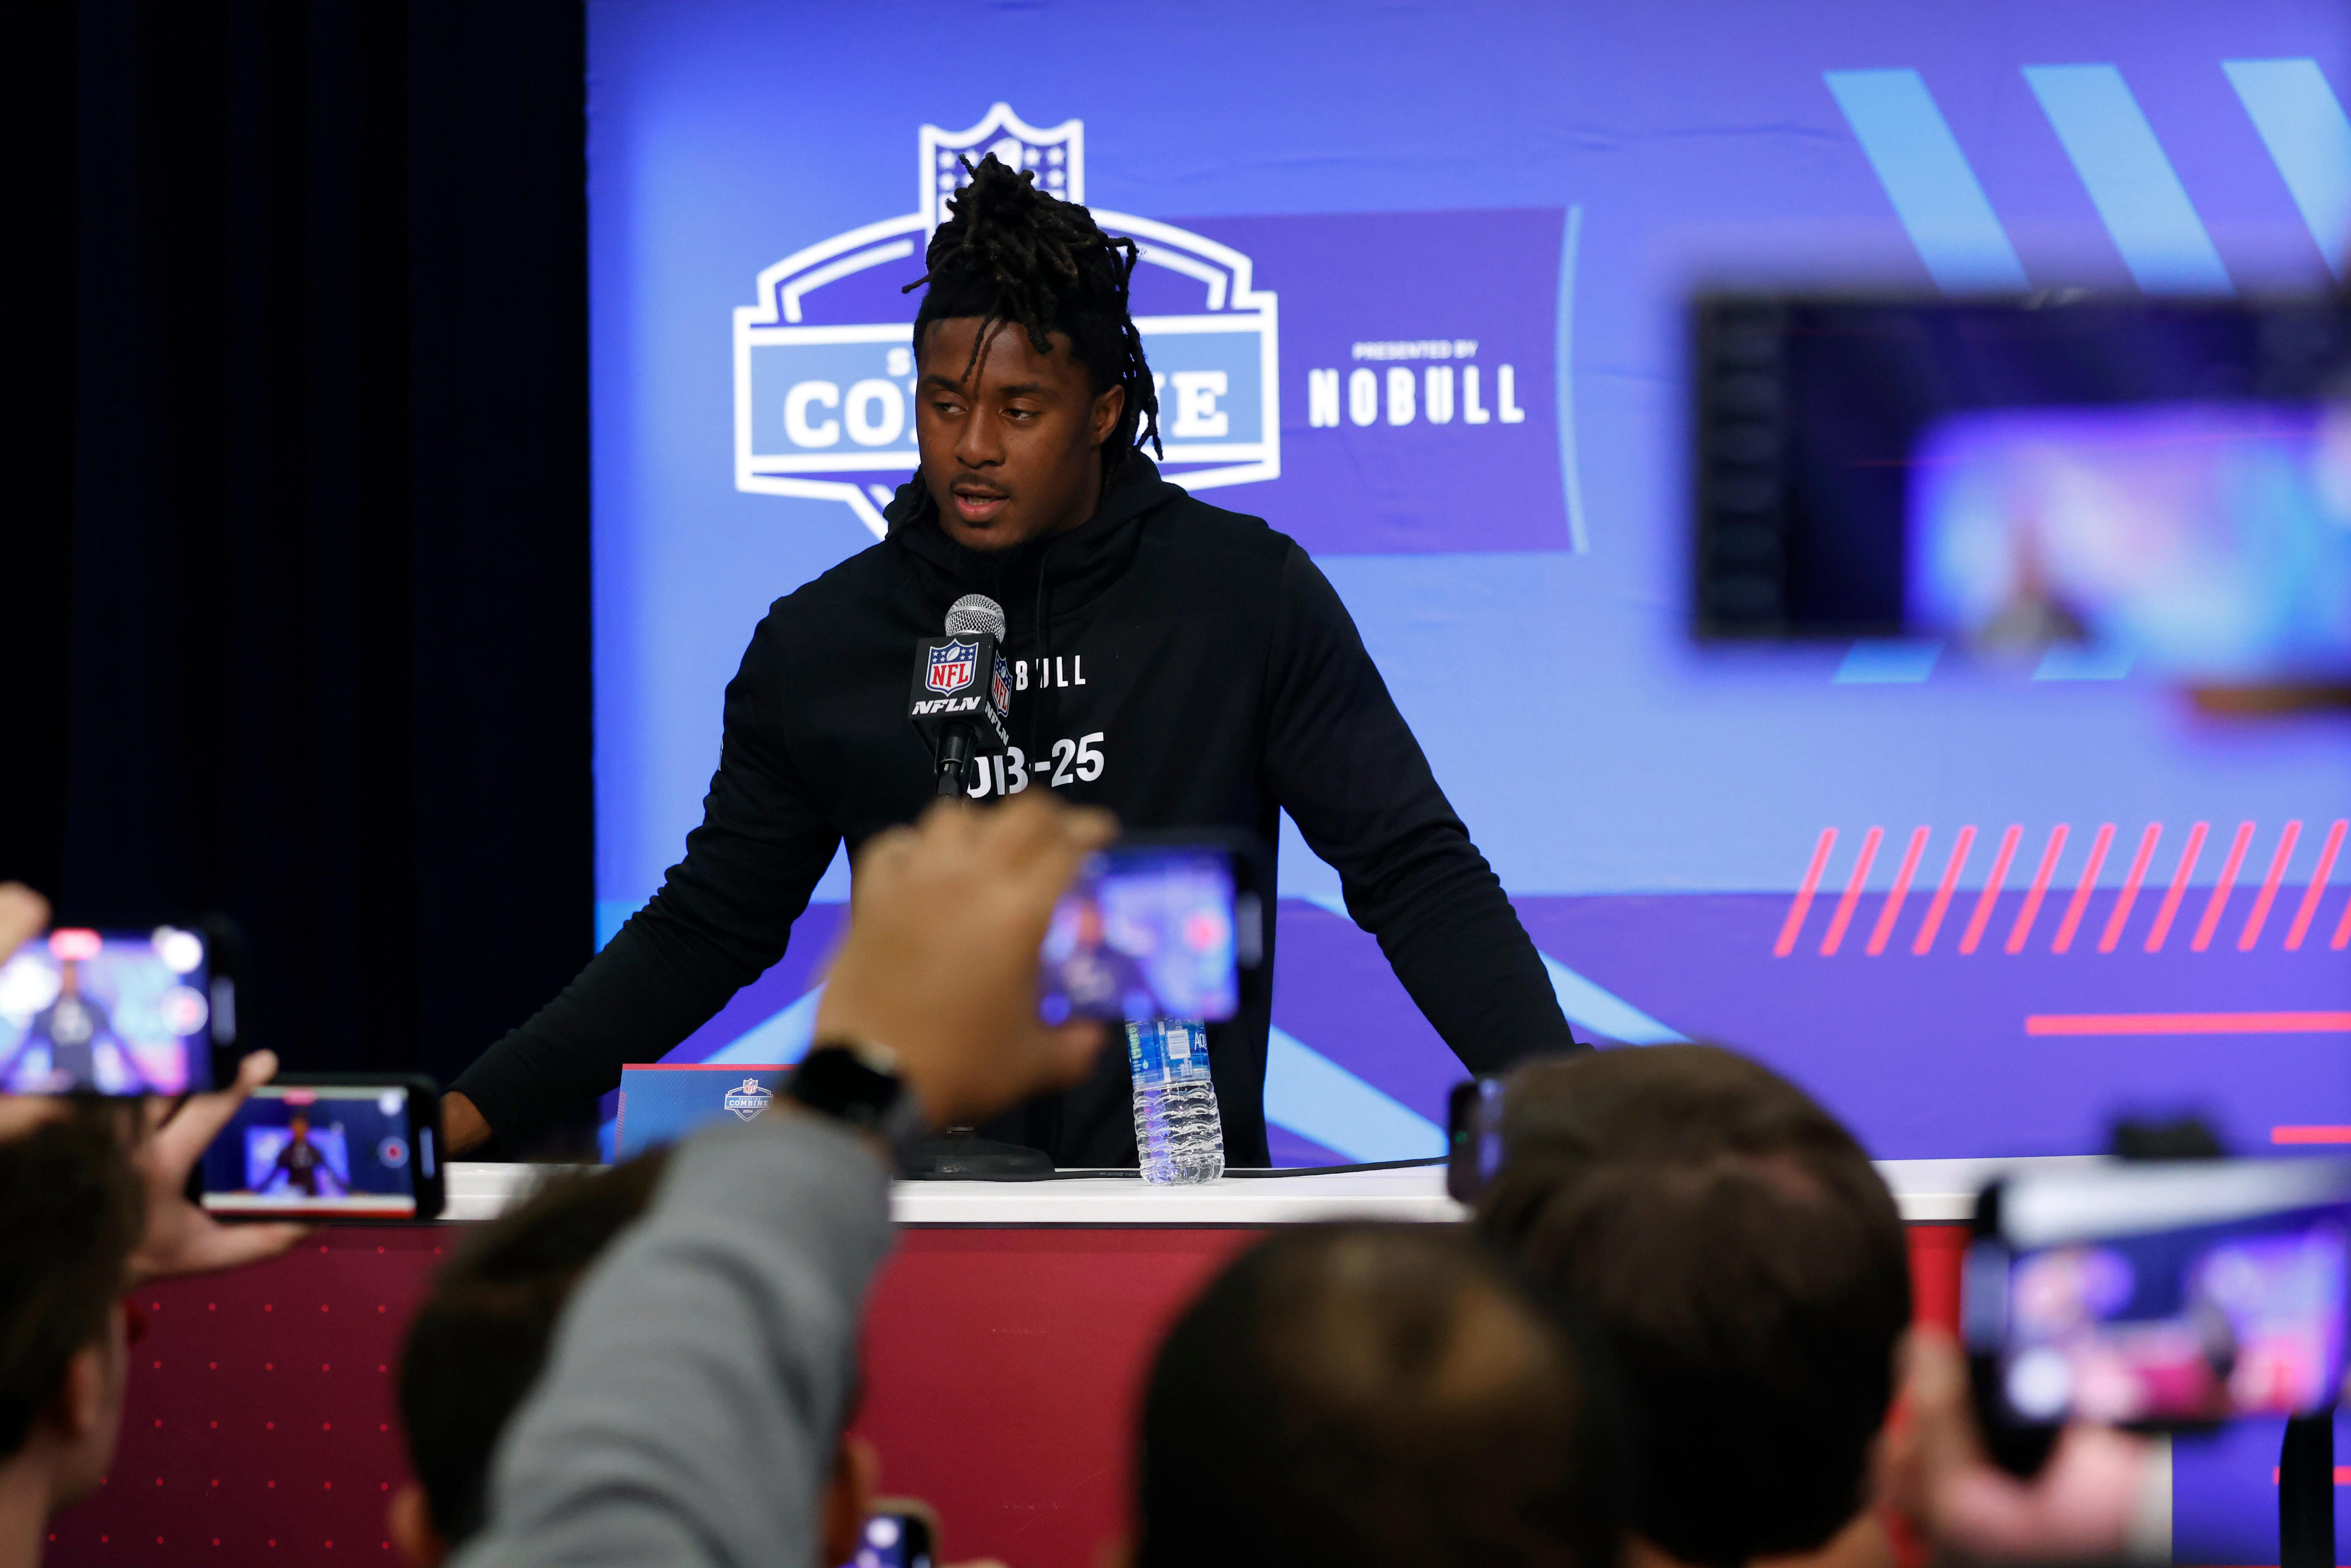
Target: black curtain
[{"x": 314, "y": 650}]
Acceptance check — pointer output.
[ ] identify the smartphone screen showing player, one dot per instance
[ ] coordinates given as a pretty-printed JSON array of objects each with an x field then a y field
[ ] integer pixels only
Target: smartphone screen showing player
[
  {"x": 1153, "y": 931},
  {"x": 2157, "y": 1295},
  {"x": 346, "y": 1150},
  {"x": 114, "y": 1012}
]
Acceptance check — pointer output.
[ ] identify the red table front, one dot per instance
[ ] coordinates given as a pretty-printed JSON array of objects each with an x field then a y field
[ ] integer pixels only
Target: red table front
[{"x": 1003, "y": 1367}]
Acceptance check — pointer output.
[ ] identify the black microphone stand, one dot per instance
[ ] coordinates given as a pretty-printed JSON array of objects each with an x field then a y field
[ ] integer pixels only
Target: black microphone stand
[{"x": 955, "y": 761}]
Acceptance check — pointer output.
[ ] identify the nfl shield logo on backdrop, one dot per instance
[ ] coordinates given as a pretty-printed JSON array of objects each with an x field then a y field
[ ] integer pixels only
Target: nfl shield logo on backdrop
[
  {"x": 953, "y": 665},
  {"x": 1057, "y": 157}
]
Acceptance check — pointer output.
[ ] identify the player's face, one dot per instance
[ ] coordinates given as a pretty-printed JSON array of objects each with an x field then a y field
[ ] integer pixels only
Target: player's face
[{"x": 1011, "y": 451}]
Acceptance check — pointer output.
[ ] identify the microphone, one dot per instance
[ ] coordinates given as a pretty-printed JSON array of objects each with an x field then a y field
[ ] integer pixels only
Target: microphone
[
  {"x": 963, "y": 693},
  {"x": 975, "y": 612}
]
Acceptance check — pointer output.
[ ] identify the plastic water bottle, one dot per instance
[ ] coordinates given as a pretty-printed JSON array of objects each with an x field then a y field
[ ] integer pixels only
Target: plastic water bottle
[{"x": 1178, "y": 1130}]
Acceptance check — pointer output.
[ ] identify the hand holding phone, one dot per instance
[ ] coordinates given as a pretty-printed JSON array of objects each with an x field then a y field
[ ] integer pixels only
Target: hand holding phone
[{"x": 179, "y": 1238}]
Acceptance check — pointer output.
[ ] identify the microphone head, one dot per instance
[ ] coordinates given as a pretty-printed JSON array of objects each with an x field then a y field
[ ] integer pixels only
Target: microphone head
[{"x": 975, "y": 612}]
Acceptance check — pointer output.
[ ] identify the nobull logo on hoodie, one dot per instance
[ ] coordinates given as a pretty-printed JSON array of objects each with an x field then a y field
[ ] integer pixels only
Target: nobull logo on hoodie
[{"x": 824, "y": 367}]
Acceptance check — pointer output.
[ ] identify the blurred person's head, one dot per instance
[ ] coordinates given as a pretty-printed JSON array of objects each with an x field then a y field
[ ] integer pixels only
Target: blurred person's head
[
  {"x": 1368, "y": 1395},
  {"x": 479, "y": 1342},
  {"x": 1747, "y": 1268},
  {"x": 71, "y": 1215}
]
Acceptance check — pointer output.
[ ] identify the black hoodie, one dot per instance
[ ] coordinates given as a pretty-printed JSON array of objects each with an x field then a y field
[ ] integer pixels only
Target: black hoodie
[{"x": 1183, "y": 665}]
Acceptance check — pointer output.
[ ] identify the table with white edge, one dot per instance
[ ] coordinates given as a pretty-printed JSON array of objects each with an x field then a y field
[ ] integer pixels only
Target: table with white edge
[{"x": 1930, "y": 1191}]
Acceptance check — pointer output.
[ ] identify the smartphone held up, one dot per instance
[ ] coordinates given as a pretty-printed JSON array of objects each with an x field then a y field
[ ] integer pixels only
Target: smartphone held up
[
  {"x": 116, "y": 1012},
  {"x": 2156, "y": 1295},
  {"x": 1158, "y": 927},
  {"x": 328, "y": 1146}
]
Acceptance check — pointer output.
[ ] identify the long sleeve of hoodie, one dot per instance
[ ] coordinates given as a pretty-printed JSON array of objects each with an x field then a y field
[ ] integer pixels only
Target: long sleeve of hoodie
[
  {"x": 695, "y": 1393},
  {"x": 1342, "y": 761},
  {"x": 724, "y": 915}
]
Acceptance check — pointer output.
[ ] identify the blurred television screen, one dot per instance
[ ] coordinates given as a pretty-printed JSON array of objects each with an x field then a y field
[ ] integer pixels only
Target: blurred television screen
[
  {"x": 2207, "y": 541},
  {"x": 2158, "y": 485}
]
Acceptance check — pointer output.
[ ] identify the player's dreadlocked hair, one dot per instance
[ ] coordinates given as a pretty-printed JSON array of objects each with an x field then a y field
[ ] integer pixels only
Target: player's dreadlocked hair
[{"x": 1009, "y": 254}]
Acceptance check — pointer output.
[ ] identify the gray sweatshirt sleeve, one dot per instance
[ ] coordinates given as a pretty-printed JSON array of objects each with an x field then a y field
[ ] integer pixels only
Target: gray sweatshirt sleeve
[{"x": 697, "y": 1388}]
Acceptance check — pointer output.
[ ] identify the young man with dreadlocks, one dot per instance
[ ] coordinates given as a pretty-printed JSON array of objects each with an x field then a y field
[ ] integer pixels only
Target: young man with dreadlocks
[{"x": 1186, "y": 666}]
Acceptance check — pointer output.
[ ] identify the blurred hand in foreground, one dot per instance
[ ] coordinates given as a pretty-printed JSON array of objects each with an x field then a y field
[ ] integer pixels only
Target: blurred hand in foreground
[
  {"x": 2095, "y": 1500},
  {"x": 179, "y": 1237},
  {"x": 24, "y": 915},
  {"x": 940, "y": 962}
]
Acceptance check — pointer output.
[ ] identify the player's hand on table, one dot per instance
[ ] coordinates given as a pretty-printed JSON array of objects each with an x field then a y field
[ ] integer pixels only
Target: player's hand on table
[
  {"x": 180, "y": 1238},
  {"x": 2088, "y": 1503},
  {"x": 940, "y": 962},
  {"x": 462, "y": 1130}
]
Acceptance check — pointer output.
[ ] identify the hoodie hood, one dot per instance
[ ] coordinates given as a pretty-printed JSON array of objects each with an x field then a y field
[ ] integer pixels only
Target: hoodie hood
[{"x": 1041, "y": 582}]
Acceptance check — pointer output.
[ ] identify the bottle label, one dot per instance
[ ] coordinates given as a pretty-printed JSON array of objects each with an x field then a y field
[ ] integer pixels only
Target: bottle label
[{"x": 1162, "y": 1045}]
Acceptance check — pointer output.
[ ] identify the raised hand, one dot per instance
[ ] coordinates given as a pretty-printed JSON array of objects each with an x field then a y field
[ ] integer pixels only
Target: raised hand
[{"x": 180, "y": 1238}]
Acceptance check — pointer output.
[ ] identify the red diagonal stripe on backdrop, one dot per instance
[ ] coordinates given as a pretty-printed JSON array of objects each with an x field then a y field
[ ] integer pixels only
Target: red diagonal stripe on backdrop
[
  {"x": 1843, "y": 916},
  {"x": 2039, "y": 889},
  {"x": 2129, "y": 895},
  {"x": 2317, "y": 888},
  {"x": 2080, "y": 901},
  {"x": 1991, "y": 893},
  {"x": 1801, "y": 905},
  {"x": 2222, "y": 888},
  {"x": 2188, "y": 852},
  {"x": 1897, "y": 893},
  {"x": 2268, "y": 894},
  {"x": 1924, "y": 943}
]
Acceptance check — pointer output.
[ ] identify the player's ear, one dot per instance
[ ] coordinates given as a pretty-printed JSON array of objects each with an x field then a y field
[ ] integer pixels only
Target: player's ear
[{"x": 1103, "y": 419}]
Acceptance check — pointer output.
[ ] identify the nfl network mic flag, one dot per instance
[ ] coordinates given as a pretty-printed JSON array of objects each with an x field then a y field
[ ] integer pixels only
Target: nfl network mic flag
[{"x": 949, "y": 690}]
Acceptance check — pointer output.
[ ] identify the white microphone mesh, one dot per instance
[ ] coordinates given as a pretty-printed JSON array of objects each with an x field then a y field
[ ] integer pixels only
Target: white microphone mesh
[{"x": 975, "y": 612}]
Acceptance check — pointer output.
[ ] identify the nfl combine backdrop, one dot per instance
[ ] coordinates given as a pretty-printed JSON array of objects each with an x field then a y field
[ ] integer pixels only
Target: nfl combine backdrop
[{"x": 1412, "y": 288}]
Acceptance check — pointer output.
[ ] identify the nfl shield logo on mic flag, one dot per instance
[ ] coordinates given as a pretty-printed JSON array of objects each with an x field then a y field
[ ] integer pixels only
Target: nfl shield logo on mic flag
[{"x": 953, "y": 665}]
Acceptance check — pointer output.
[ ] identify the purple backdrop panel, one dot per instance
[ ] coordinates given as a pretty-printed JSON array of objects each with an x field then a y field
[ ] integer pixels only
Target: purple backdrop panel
[
  {"x": 2224, "y": 1494},
  {"x": 1333, "y": 989},
  {"x": 1933, "y": 1055},
  {"x": 1419, "y": 406}
]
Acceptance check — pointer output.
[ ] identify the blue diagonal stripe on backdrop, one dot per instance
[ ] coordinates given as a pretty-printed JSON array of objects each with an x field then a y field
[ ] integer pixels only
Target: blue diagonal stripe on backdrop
[
  {"x": 2302, "y": 124},
  {"x": 1305, "y": 1091},
  {"x": 781, "y": 1039},
  {"x": 2137, "y": 194},
  {"x": 1933, "y": 190},
  {"x": 1599, "y": 1012},
  {"x": 1875, "y": 661},
  {"x": 1316, "y": 1098}
]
